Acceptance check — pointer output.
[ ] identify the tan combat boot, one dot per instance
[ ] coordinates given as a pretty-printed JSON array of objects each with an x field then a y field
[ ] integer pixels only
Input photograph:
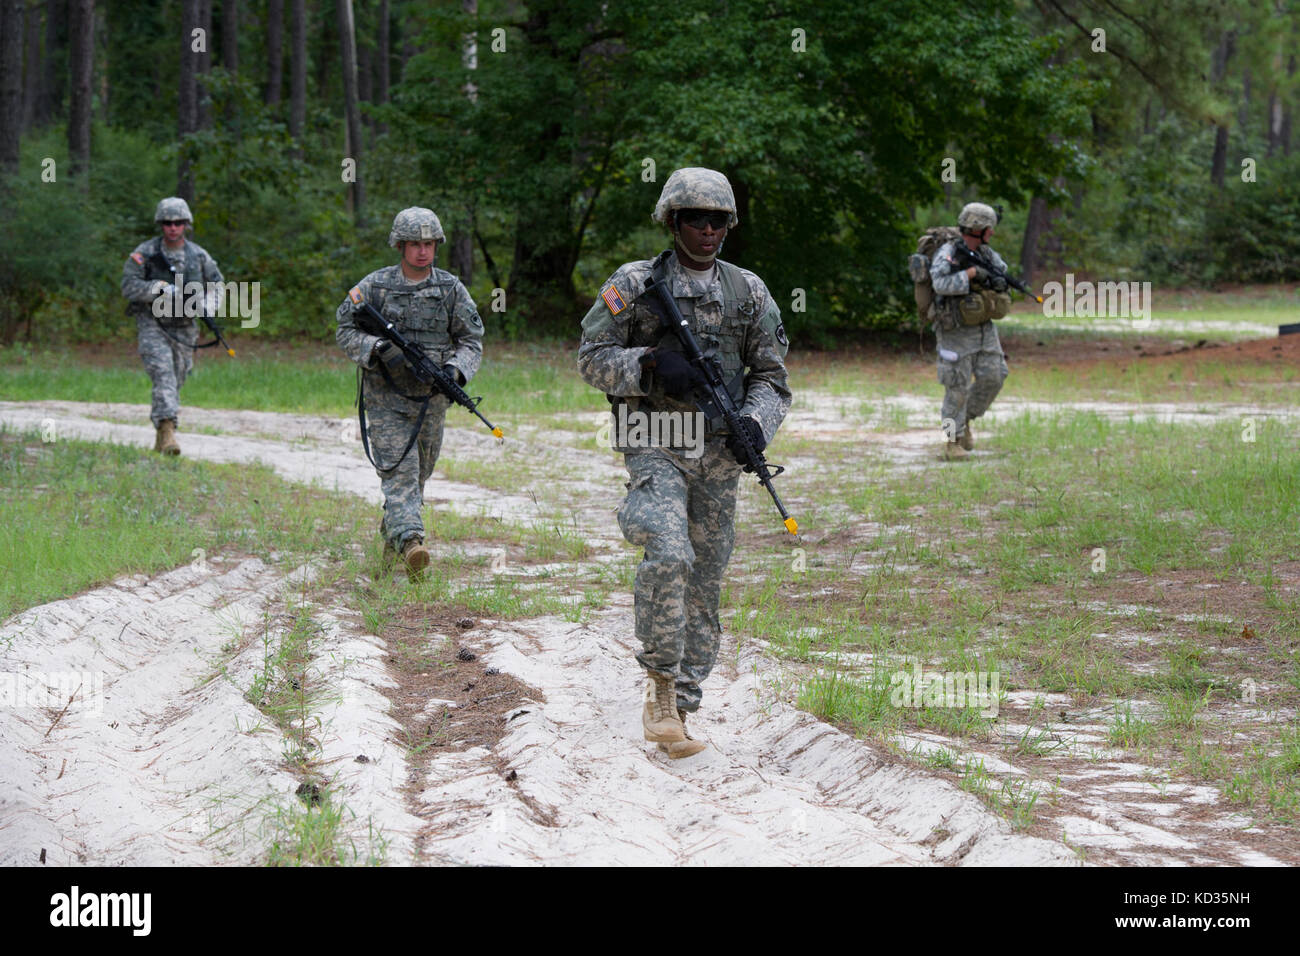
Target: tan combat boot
[
  {"x": 166, "y": 442},
  {"x": 952, "y": 451},
  {"x": 683, "y": 748},
  {"x": 416, "y": 556},
  {"x": 659, "y": 716},
  {"x": 967, "y": 440}
]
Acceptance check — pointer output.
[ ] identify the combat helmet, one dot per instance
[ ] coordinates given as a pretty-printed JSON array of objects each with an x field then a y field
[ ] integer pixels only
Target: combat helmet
[
  {"x": 977, "y": 216},
  {"x": 694, "y": 187},
  {"x": 413, "y": 224},
  {"x": 173, "y": 209}
]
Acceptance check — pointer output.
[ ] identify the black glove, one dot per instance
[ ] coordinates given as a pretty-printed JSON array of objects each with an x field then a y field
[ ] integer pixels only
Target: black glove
[
  {"x": 981, "y": 275},
  {"x": 390, "y": 355},
  {"x": 998, "y": 283},
  {"x": 754, "y": 432},
  {"x": 675, "y": 372},
  {"x": 453, "y": 373}
]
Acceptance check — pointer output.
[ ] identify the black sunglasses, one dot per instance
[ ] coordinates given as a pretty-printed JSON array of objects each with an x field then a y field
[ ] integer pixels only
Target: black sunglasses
[
  {"x": 175, "y": 222},
  {"x": 696, "y": 218}
]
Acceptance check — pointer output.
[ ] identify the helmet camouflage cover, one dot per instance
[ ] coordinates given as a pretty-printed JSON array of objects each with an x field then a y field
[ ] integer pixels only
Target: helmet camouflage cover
[
  {"x": 694, "y": 187},
  {"x": 413, "y": 224},
  {"x": 171, "y": 209},
  {"x": 976, "y": 215}
]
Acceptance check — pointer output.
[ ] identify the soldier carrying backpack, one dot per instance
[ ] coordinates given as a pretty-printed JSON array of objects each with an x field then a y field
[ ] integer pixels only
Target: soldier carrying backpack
[{"x": 962, "y": 301}]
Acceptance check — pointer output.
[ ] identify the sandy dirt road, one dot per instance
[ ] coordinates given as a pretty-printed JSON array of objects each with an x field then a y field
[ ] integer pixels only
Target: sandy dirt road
[{"x": 165, "y": 760}]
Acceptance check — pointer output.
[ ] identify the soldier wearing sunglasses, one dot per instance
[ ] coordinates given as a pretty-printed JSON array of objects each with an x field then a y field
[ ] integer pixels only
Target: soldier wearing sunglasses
[
  {"x": 681, "y": 499},
  {"x": 167, "y": 336}
]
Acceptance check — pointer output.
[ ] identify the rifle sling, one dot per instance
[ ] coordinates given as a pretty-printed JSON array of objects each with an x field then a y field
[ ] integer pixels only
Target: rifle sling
[{"x": 423, "y": 402}]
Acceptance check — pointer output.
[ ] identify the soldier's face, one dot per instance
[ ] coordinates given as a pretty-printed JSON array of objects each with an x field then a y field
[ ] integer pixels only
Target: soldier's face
[
  {"x": 173, "y": 231},
  {"x": 699, "y": 236},
  {"x": 419, "y": 253}
]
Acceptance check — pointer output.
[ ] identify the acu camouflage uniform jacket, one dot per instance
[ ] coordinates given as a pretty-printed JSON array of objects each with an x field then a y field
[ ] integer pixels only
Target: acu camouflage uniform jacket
[
  {"x": 732, "y": 315},
  {"x": 142, "y": 272},
  {"x": 436, "y": 314}
]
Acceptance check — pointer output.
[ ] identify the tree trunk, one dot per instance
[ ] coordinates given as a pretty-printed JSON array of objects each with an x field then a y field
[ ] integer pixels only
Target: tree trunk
[
  {"x": 1218, "y": 69},
  {"x": 274, "y": 51},
  {"x": 31, "y": 66},
  {"x": 204, "y": 64},
  {"x": 382, "y": 54},
  {"x": 469, "y": 50},
  {"x": 351, "y": 108},
  {"x": 187, "y": 112},
  {"x": 47, "y": 101},
  {"x": 1039, "y": 220},
  {"x": 1219, "y": 161},
  {"x": 81, "y": 63},
  {"x": 101, "y": 58},
  {"x": 325, "y": 40},
  {"x": 1243, "y": 107},
  {"x": 1285, "y": 133},
  {"x": 230, "y": 35},
  {"x": 365, "y": 88},
  {"x": 298, "y": 68},
  {"x": 11, "y": 79},
  {"x": 1274, "y": 122},
  {"x": 461, "y": 257}
]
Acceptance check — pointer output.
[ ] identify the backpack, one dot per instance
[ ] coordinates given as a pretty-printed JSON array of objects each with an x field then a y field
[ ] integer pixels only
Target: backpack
[{"x": 918, "y": 265}]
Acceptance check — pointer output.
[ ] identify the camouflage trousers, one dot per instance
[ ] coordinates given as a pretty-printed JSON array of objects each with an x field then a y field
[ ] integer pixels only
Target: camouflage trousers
[
  {"x": 390, "y": 420},
  {"x": 681, "y": 511},
  {"x": 167, "y": 362},
  {"x": 973, "y": 379}
]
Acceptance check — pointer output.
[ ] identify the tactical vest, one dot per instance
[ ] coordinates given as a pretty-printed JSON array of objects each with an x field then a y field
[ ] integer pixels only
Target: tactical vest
[
  {"x": 158, "y": 267},
  {"x": 948, "y": 312},
  {"x": 421, "y": 311},
  {"x": 722, "y": 337}
]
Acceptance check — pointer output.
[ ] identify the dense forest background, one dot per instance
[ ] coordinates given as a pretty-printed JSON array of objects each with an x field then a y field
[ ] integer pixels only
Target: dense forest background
[{"x": 1142, "y": 140}]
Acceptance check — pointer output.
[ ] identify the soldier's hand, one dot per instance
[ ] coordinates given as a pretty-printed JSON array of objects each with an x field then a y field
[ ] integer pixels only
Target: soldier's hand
[
  {"x": 675, "y": 372},
  {"x": 390, "y": 355},
  {"x": 164, "y": 288},
  {"x": 981, "y": 274},
  {"x": 754, "y": 432},
  {"x": 453, "y": 373},
  {"x": 998, "y": 283}
]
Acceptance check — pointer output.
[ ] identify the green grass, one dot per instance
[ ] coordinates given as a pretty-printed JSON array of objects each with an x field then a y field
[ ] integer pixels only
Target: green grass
[
  {"x": 1195, "y": 378},
  {"x": 77, "y": 514},
  {"x": 513, "y": 381},
  {"x": 993, "y": 564}
]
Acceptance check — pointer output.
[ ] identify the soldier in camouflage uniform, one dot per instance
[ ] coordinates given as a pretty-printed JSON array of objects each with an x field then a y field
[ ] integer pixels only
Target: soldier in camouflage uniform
[
  {"x": 680, "y": 503},
  {"x": 972, "y": 367},
  {"x": 166, "y": 336},
  {"x": 434, "y": 310}
]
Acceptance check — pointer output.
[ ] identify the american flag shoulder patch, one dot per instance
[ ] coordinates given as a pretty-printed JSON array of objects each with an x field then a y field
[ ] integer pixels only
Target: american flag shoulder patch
[
  {"x": 137, "y": 258},
  {"x": 355, "y": 294},
  {"x": 613, "y": 300}
]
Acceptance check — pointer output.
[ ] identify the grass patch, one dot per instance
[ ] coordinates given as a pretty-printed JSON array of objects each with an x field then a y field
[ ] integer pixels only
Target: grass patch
[{"x": 77, "y": 514}]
